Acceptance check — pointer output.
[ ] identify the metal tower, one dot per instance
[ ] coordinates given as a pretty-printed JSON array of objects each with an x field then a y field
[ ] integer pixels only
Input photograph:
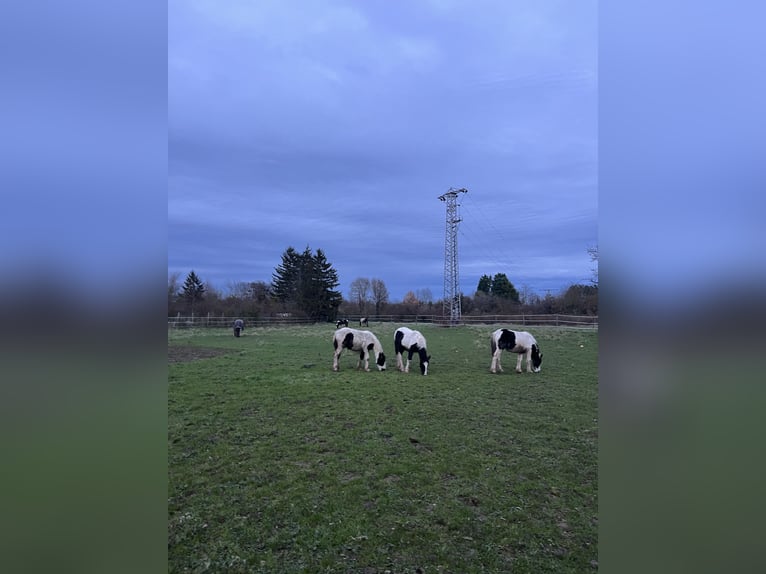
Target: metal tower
[{"x": 451, "y": 276}]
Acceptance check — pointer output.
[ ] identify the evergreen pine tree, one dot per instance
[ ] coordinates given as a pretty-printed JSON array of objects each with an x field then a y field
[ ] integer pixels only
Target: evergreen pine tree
[
  {"x": 502, "y": 287},
  {"x": 328, "y": 298},
  {"x": 284, "y": 284},
  {"x": 485, "y": 284},
  {"x": 193, "y": 289},
  {"x": 307, "y": 282}
]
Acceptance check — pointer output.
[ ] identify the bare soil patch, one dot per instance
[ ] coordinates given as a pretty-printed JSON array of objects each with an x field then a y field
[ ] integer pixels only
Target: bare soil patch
[{"x": 187, "y": 353}]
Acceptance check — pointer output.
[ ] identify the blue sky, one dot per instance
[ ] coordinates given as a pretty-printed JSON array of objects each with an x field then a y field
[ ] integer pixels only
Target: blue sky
[{"x": 337, "y": 124}]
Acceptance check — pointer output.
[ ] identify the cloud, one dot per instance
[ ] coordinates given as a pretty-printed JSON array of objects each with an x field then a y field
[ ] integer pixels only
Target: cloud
[{"x": 337, "y": 125}]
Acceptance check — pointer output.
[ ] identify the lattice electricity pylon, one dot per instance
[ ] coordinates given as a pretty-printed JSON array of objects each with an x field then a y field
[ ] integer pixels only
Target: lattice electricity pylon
[{"x": 451, "y": 302}]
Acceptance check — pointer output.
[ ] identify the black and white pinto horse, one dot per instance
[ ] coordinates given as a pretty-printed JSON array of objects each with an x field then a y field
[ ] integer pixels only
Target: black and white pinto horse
[
  {"x": 358, "y": 341},
  {"x": 413, "y": 342},
  {"x": 364, "y": 322},
  {"x": 340, "y": 322},
  {"x": 520, "y": 342}
]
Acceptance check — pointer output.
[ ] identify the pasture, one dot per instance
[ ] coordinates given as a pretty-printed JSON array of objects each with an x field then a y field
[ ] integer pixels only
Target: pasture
[{"x": 278, "y": 464}]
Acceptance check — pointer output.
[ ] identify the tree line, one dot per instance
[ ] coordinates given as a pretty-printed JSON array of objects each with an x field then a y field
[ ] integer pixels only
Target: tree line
[{"x": 304, "y": 285}]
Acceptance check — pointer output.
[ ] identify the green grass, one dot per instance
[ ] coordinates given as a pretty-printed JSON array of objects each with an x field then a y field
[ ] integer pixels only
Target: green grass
[{"x": 278, "y": 464}]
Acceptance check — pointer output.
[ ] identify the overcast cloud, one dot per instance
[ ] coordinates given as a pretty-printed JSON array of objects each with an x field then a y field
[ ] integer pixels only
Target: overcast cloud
[{"x": 337, "y": 124}]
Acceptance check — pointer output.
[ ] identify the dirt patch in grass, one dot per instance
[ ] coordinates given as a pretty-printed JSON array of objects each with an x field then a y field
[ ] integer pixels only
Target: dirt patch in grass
[{"x": 187, "y": 353}]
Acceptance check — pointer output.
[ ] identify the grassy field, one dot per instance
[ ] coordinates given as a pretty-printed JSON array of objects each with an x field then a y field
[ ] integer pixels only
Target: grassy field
[{"x": 278, "y": 464}]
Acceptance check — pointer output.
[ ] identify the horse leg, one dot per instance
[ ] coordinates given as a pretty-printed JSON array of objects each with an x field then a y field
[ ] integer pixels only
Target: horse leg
[
  {"x": 409, "y": 358},
  {"x": 335, "y": 358},
  {"x": 399, "y": 364},
  {"x": 518, "y": 363},
  {"x": 359, "y": 361},
  {"x": 366, "y": 356},
  {"x": 495, "y": 365}
]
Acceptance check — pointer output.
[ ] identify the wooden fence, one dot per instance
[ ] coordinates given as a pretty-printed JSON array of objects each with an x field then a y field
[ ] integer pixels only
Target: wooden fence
[{"x": 556, "y": 320}]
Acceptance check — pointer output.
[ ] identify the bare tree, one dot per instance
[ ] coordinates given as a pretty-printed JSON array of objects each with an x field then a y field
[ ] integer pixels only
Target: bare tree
[
  {"x": 410, "y": 302},
  {"x": 259, "y": 291},
  {"x": 359, "y": 292},
  {"x": 239, "y": 289},
  {"x": 379, "y": 294},
  {"x": 593, "y": 252},
  {"x": 212, "y": 291},
  {"x": 174, "y": 286},
  {"x": 525, "y": 294},
  {"x": 424, "y": 295}
]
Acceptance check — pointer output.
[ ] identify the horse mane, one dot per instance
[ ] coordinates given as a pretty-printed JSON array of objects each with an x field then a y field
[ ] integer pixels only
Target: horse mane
[{"x": 376, "y": 344}]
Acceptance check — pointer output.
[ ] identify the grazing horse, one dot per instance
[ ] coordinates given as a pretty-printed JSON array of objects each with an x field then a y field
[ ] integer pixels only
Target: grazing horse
[
  {"x": 360, "y": 341},
  {"x": 520, "y": 342},
  {"x": 363, "y": 322},
  {"x": 239, "y": 326},
  {"x": 413, "y": 342},
  {"x": 340, "y": 322}
]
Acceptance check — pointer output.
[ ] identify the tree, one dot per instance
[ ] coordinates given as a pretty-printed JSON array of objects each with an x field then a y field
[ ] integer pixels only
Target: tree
[
  {"x": 247, "y": 298},
  {"x": 503, "y": 288},
  {"x": 379, "y": 294},
  {"x": 485, "y": 284},
  {"x": 484, "y": 303},
  {"x": 193, "y": 289},
  {"x": 593, "y": 252},
  {"x": 173, "y": 287},
  {"x": 325, "y": 299},
  {"x": 307, "y": 282},
  {"x": 212, "y": 298},
  {"x": 580, "y": 300},
  {"x": 466, "y": 304},
  {"x": 410, "y": 302},
  {"x": 549, "y": 304},
  {"x": 410, "y": 299},
  {"x": 238, "y": 290},
  {"x": 286, "y": 277},
  {"x": 359, "y": 292},
  {"x": 424, "y": 295},
  {"x": 258, "y": 291},
  {"x": 526, "y": 295},
  {"x": 497, "y": 286}
]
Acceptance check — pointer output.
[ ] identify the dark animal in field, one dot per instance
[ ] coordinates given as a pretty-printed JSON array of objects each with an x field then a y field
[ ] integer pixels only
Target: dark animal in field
[
  {"x": 341, "y": 323},
  {"x": 520, "y": 342},
  {"x": 412, "y": 342},
  {"x": 239, "y": 326},
  {"x": 362, "y": 342}
]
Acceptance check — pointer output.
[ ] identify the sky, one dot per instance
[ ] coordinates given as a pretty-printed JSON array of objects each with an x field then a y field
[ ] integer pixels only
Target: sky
[{"x": 338, "y": 124}]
